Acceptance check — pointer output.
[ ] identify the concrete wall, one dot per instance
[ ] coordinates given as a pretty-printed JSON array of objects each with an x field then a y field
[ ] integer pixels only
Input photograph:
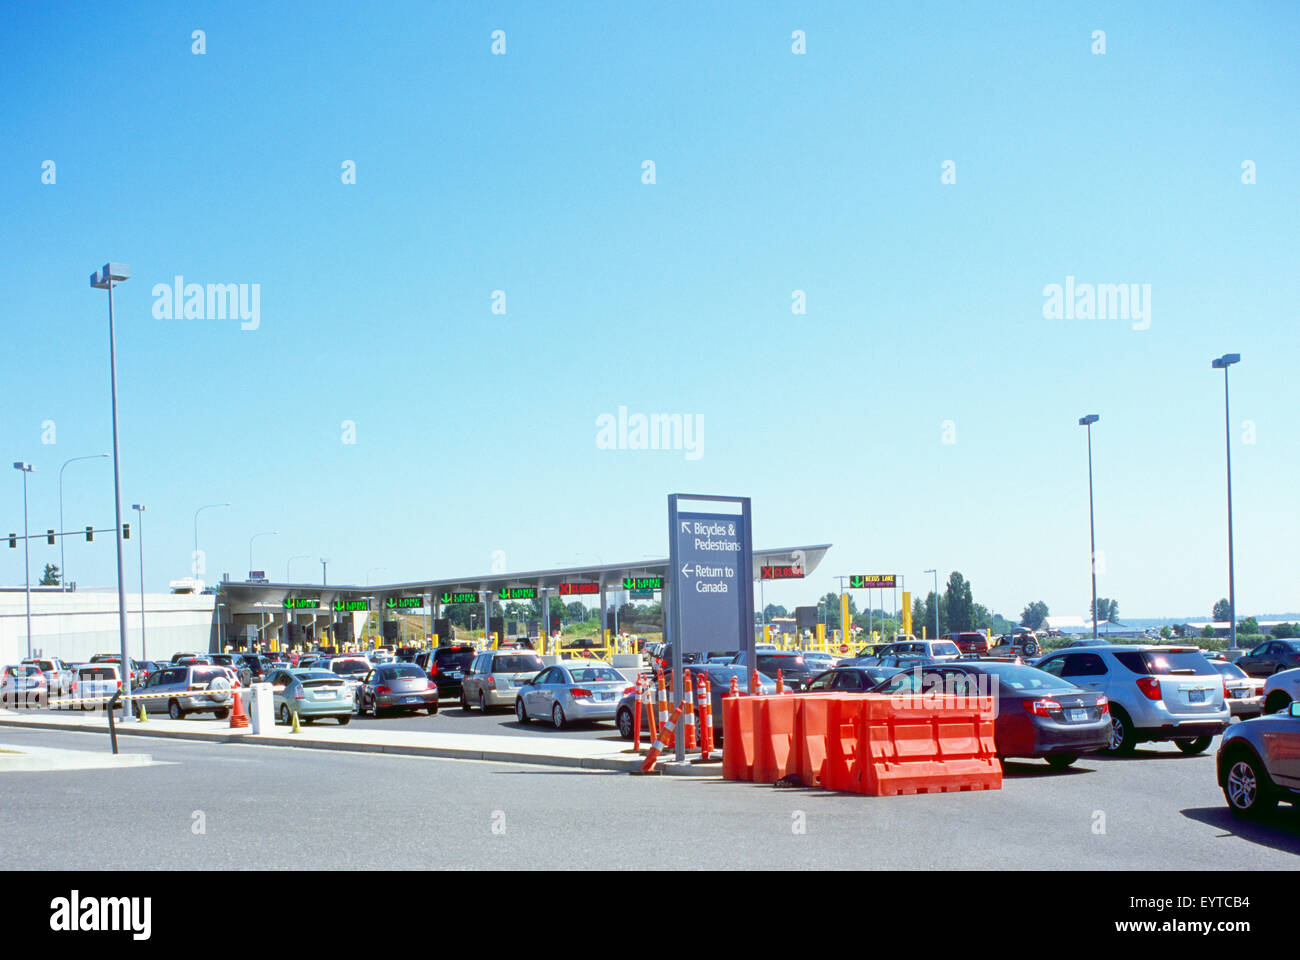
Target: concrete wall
[{"x": 80, "y": 623}]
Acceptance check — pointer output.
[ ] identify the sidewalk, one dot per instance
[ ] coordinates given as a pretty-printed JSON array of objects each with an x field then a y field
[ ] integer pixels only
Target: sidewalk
[{"x": 548, "y": 751}]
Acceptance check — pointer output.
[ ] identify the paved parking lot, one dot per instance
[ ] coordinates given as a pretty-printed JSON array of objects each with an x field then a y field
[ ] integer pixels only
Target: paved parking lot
[{"x": 1160, "y": 809}]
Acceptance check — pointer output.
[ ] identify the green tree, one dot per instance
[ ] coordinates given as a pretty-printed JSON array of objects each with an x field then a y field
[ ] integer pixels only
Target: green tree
[
  {"x": 831, "y": 606},
  {"x": 1249, "y": 626},
  {"x": 1222, "y": 611},
  {"x": 1166, "y": 633},
  {"x": 1284, "y": 631},
  {"x": 52, "y": 577},
  {"x": 1207, "y": 632},
  {"x": 1033, "y": 615},
  {"x": 957, "y": 596}
]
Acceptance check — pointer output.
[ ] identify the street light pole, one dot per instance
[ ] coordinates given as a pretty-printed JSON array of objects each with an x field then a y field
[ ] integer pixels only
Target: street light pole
[
  {"x": 206, "y": 506},
  {"x": 27, "y": 468},
  {"x": 103, "y": 280},
  {"x": 268, "y": 533},
  {"x": 139, "y": 533},
  {"x": 1088, "y": 421},
  {"x": 935, "y": 571},
  {"x": 1223, "y": 363},
  {"x": 63, "y": 566}
]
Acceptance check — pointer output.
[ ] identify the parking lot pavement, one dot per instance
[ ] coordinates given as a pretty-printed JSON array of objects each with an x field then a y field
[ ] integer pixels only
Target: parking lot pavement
[{"x": 1158, "y": 810}]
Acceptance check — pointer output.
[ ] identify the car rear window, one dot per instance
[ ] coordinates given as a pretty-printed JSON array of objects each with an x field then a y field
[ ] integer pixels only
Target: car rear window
[
  {"x": 350, "y": 666},
  {"x": 595, "y": 675},
  {"x": 460, "y": 658},
  {"x": 97, "y": 673},
  {"x": 206, "y": 674},
  {"x": 1162, "y": 663},
  {"x": 1229, "y": 670},
  {"x": 406, "y": 671},
  {"x": 947, "y": 649},
  {"x": 770, "y": 663},
  {"x": 516, "y": 664},
  {"x": 1019, "y": 677}
]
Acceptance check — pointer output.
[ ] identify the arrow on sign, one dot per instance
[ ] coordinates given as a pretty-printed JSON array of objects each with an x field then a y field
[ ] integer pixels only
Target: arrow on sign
[
  {"x": 686, "y": 526},
  {"x": 287, "y": 603},
  {"x": 686, "y": 569},
  {"x": 338, "y": 604},
  {"x": 391, "y": 601}
]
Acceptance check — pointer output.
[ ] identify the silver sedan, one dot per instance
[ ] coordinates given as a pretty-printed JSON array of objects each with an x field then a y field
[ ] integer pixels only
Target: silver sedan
[{"x": 576, "y": 690}]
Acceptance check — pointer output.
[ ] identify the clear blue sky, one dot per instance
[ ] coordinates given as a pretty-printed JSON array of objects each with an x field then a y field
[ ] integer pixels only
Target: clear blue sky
[{"x": 775, "y": 172}]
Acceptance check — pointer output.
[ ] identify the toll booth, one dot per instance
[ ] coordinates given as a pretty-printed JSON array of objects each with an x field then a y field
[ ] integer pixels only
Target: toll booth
[
  {"x": 442, "y": 630},
  {"x": 391, "y": 630}
]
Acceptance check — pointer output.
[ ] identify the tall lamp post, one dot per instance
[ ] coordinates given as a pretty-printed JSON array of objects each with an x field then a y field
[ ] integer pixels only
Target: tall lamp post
[
  {"x": 139, "y": 535},
  {"x": 288, "y": 565},
  {"x": 935, "y": 571},
  {"x": 26, "y": 468},
  {"x": 1223, "y": 363},
  {"x": 206, "y": 506},
  {"x": 103, "y": 279},
  {"x": 63, "y": 566},
  {"x": 1088, "y": 421}
]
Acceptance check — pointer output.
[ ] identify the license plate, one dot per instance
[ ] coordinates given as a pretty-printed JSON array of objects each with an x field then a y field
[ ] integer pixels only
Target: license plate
[
  {"x": 325, "y": 694},
  {"x": 1195, "y": 696},
  {"x": 1076, "y": 715},
  {"x": 455, "y": 674},
  {"x": 410, "y": 700},
  {"x": 604, "y": 696}
]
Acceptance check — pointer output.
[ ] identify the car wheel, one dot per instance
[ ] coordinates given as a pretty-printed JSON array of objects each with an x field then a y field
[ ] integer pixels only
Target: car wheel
[
  {"x": 625, "y": 724},
  {"x": 1060, "y": 761},
  {"x": 174, "y": 710},
  {"x": 482, "y": 701},
  {"x": 1196, "y": 745},
  {"x": 557, "y": 716},
  {"x": 521, "y": 712},
  {"x": 1277, "y": 702},
  {"x": 344, "y": 721},
  {"x": 374, "y": 707},
  {"x": 285, "y": 718},
  {"x": 1122, "y": 739},
  {"x": 464, "y": 700},
  {"x": 1246, "y": 787},
  {"x": 221, "y": 714},
  {"x": 433, "y": 709}
]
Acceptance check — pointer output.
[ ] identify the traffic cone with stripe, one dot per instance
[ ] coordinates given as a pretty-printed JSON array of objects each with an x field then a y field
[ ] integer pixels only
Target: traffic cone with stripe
[
  {"x": 638, "y": 702},
  {"x": 780, "y": 681},
  {"x": 663, "y": 742},
  {"x": 238, "y": 718},
  {"x": 663, "y": 701},
  {"x": 735, "y": 687},
  {"x": 688, "y": 701}
]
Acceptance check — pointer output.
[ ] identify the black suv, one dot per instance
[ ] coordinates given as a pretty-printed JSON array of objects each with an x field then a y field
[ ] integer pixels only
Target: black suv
[
  {"x": 446, "y": 666},
  {"x": 252, "y": 668}
]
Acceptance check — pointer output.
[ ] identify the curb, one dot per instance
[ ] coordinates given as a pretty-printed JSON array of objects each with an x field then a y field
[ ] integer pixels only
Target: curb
[
  {"x": 445, "y": 753},
  {"x": 688, "y": 769}
]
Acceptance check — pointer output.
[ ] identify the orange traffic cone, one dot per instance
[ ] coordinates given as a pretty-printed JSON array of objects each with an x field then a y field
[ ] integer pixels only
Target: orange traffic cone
[
  {"x": 735, "y": 687},
  {"x": 780, "y": 681},
  {"x": 688, "y": 701},
  {"x": 238, "y": 718}
]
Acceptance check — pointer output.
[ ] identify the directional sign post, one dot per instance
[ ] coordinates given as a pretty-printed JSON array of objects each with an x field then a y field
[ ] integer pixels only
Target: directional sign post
[{"x": 710, "y": 588}]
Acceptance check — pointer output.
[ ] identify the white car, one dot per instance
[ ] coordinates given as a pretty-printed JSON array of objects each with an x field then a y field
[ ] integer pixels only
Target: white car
[{"x": 1281, "y": 689}]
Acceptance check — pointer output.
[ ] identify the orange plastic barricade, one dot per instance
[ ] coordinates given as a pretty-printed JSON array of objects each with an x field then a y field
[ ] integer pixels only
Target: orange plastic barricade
[
  {"x": 738, "y": 737},
  {"x": 928, "y": 744},
  {"x": 812, "y": 716},
  {"x": 774, "y": 739}
]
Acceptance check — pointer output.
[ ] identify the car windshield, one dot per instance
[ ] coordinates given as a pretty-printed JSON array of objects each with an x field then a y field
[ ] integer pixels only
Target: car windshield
[
  {"x": 949, "y": 649},
  {"x": 595, "y": 675},
  {"x": 1163, "y": 662},
  {"x": 517, "y": 664},
  {"x": 350, "y": 666},
  {"x": 314, "y": 675},
  {"x": 1229, "y": 670}
]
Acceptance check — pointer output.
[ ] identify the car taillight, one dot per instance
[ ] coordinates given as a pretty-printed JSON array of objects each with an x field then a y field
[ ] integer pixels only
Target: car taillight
[
  {"x": 492, "y": 681},
  {"x": 383, "y": 688},
  {"x": 1150, "y": 686},
  {"x": 1226, "y": 694},
  {"x": 579, "y": 692},
  {"x": 1103, "y": 705},
  {"x": 627, "y": 690},
  {"x": 433, "y": 669},
  {"x": 73, "y": 688},
  {"x": 1041, "y": 708},
  {"x": 299, "y": 694},
  {"x": 119, "y": 684}
]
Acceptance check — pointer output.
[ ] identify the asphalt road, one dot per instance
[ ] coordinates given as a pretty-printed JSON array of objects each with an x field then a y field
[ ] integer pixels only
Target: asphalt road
[{"x": 274, "y": 807}]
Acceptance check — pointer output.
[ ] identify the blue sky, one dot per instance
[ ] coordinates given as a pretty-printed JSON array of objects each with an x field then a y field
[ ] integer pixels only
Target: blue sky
[{"x": 775, "y": 172}]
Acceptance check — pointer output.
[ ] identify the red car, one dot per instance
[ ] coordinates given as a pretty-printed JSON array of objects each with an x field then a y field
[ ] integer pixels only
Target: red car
[{"x": 969, "y": 641}]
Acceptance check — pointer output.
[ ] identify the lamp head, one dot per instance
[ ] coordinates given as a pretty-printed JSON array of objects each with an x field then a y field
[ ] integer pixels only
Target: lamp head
[
  {"x": 1225, "y": 361},
  {"x": 1090, "y": 418},
  {"x": 110, "y": 272}
]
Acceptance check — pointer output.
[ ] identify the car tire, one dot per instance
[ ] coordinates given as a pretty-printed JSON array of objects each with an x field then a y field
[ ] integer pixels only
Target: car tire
[
  {"x": 557, "y": 716},
  {"x": 521, "y": 712},
  {"x": 1277, "y": 702},
  {"x": 1061, "y": 761},
  {"x": 1195, "y": 745},
  {"x": 285, "y": 716},
  {"x": 624, "y": 720},
  {"x": 1246, "y": 786},
  {"x": 344, "y": 721},
  {"x": 464, "y": 700},
  {"x": 374, "y": 707},
  {"x": 1123, "y": 740},
  {"x": 174, "y": 710},
  {"x": 221, "y": 714},
  {"x": 482, "y": 701},
  {"x": 433, "y": 709}
]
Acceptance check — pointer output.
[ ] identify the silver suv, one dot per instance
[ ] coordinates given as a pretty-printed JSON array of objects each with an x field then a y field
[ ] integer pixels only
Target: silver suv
[
  {"x": 1155, "y": 692},
  {"x": 1259, "y": 763},
  {"x": 495, "y": 676}
]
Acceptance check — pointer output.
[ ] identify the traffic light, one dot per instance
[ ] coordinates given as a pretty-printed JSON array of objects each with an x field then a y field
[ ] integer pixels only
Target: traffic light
[
  {"x": 13, "y": 541},
  {"x": 49, "y": 537},
  {"x": 90, "y": 534},
  {"x": 126, "y": 531}
]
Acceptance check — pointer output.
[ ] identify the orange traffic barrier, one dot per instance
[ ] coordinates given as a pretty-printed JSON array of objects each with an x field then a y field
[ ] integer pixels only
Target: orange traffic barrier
[
  {"x": 877, "y": 745},
  {"x": 688, "y": 701},
  {"x": 238, "y": 718},
  {"x": 662, "y": 742}
]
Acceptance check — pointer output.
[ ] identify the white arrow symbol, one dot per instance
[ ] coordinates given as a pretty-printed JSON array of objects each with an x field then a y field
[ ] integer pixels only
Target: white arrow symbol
[
  {"x": 686, "y": 569},
  {"x": 686, "y": 526}
]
